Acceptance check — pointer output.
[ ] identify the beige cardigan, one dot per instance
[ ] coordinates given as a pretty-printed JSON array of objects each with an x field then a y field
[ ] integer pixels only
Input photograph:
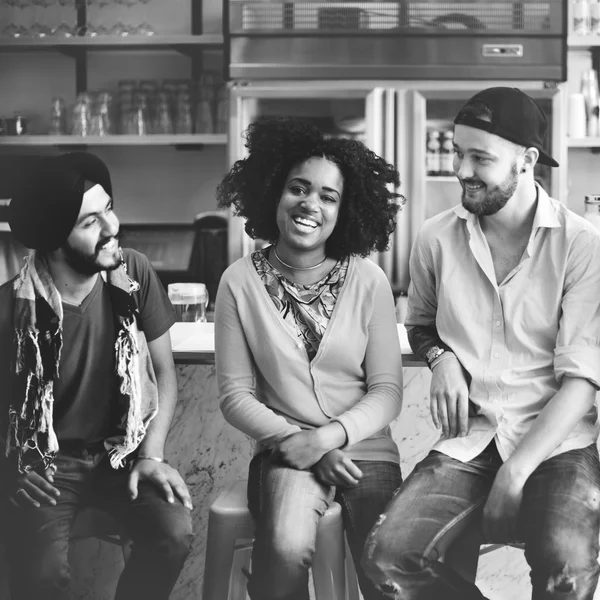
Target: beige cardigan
[{"x": 268, "y": 388}]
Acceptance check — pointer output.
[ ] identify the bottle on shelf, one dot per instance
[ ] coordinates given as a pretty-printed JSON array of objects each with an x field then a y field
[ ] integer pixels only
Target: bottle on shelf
[
  {"x": 592, "y": 210},
  {"x": 595, "y": 17},
  {"x": 447, "y": 154},
  {"x": 432, "y": 158},
  {"x": 577, "y": 116},
  {"x": 589, "y": 89},
  {"x": 581, "y": 17}
]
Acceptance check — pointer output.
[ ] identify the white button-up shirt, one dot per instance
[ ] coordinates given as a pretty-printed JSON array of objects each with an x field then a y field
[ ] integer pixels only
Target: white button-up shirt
[{"x": 518, "y": 339}]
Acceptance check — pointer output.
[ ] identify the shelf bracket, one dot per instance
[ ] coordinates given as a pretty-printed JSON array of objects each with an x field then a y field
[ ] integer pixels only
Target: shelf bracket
[{"x": 71, "y": 52}]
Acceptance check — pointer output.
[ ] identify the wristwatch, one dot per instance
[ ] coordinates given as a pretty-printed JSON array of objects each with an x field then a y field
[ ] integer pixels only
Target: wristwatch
[{"x": 433, "y": 353}]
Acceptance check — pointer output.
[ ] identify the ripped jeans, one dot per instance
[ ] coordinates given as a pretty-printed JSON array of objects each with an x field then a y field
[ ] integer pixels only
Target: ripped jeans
[
  {"x": 559, "y": 522},
  {"x": 287, "y": 504}
]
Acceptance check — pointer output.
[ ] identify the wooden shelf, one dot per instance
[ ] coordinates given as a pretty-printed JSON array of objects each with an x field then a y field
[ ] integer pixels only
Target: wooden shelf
[
  {"x": 197, "y": 139},
  {"x": 583, "y": 41},
  {"x": 589, "y": 142},
  {"x": 131, "y": 42}
]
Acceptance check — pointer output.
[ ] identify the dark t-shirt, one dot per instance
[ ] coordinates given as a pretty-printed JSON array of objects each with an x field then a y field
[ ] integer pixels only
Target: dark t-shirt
[{"x": 86, "y": 392}]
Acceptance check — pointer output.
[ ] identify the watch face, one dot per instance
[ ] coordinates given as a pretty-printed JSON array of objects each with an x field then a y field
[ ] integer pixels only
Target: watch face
[{"x": 433, "y": 353}]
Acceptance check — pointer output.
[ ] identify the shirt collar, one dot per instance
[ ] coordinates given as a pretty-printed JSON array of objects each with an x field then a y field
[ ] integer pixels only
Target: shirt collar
[{"x": 545, "y": 213}]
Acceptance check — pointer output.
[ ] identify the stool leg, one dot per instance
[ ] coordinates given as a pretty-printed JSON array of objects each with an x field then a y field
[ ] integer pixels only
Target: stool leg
[
  {"x": 328, "y": 568},
  {"x": 240, "y": 565},
  {"x": 352, "y": 591},
  {"x": 218, "y": 562}
]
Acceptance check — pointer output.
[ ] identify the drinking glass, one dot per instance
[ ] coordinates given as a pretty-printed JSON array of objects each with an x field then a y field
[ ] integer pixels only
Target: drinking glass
[
  {"x": 7, "y": 16},
  {"x": 58, "y": 114},
  {"x": 67, "y": 19},
  {"x": 189, "y": 301},
  {"x": 16, "y": 10},
  {"x": 184, "y": 122},
  {"x": 163, "y": 120},
  {"x": 139, "y": 12},
  {"x": 120, "y": 29},
  {"x": 40, "y": 27},
  {"x": 82, "y": 114},
  {"x": 96, "y": 17}
]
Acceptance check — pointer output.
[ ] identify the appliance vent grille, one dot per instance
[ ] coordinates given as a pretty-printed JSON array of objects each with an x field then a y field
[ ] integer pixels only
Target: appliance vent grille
[{"x": 492, "y": 17}]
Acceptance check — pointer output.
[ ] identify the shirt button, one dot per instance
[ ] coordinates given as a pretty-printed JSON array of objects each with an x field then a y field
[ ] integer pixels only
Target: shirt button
[
  {"x": 496, "y": 355},
  {"x": 498, "y": 323}
]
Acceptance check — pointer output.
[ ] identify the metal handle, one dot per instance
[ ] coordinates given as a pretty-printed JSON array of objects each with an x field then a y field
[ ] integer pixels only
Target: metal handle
[{"x": 502, "y": 50}]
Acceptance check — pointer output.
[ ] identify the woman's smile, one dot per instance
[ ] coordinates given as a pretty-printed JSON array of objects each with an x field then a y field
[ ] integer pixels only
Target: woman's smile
[{"x": 308, "y": 210}]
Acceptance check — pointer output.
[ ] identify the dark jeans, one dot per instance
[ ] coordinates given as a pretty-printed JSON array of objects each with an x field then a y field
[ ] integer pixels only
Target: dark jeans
[
  {"x": 559, "y": 522},
  {"x": 37, "y": 539},
  {"x": 286, "y": 505}
]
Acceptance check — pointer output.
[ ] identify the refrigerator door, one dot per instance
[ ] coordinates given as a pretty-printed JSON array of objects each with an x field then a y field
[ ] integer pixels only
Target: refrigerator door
[{"x": 343, "y": 109}]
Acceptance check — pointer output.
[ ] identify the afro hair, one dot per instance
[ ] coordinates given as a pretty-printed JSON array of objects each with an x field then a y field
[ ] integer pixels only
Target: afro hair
[{"x": 254, "y": 185}]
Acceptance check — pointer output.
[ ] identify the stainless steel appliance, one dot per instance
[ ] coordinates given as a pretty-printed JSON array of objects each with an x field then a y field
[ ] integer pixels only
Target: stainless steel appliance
[{"x": 401, "y": 39}]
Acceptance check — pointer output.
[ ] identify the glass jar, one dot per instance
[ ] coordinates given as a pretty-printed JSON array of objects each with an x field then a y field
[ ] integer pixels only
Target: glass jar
[
  {"x": 592, "y": 210},
  {"x": 58, "y": 117}
]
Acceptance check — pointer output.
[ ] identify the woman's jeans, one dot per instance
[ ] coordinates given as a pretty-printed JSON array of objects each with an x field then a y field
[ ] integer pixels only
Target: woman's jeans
[
  {"x": 286, "y": 505},
  {"x": 37, "y": 539},
  {"x": 559, "y": 523}
]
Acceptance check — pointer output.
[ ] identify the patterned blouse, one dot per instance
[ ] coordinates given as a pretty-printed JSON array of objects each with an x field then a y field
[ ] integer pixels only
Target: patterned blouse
[{"x": 306, "y": 309}]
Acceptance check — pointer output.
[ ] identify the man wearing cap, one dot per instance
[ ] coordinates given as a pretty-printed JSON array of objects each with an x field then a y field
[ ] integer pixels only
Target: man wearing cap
[
  {"x": 88, "y": 388},
  {"x": 504, "y": 305}
]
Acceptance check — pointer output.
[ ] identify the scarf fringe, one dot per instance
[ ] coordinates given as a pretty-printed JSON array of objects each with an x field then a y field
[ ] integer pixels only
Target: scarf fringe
[
  {"x": 39, "y": 361},
  {"x": 128, "y": 370}
]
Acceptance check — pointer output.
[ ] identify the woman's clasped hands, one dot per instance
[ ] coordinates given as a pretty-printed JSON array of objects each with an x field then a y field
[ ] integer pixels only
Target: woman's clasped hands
[{"x": 319, "y": 450}]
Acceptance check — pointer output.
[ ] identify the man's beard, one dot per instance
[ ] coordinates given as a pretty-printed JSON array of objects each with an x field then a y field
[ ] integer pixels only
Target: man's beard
[
  {"x": 495, "y": 199},
  {"x": 88, "y": 264}
]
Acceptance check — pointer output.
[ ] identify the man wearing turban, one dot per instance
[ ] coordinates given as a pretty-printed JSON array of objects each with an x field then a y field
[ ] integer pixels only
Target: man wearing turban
[{"x": 88, "y": 388}]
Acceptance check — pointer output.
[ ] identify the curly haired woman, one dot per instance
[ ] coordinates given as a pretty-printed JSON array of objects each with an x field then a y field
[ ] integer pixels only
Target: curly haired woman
[{"x": 307, "y": 350}]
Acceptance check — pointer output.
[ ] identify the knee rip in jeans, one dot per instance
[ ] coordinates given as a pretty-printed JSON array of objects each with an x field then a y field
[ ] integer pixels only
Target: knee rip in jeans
[
  {"x": 370, "y": 544},
  {"x": 562, "y": 582},
  {"x": 390, "y": 587}
]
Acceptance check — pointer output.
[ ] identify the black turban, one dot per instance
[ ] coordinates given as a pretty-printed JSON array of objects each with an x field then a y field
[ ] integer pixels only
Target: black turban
[{"x": 47, "y": 197}]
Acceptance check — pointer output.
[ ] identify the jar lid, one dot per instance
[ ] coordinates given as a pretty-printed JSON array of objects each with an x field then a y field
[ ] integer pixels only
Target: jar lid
[{"x": 592, "y": 199}]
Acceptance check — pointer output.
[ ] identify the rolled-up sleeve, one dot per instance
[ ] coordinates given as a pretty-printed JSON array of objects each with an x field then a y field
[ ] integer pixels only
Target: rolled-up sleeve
[{"x": 577, "y": 352}]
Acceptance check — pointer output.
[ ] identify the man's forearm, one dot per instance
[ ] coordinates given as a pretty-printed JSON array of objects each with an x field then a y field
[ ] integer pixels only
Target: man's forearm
[
  {"x": 153, "y": 443},
  {"x": 422, "y": 338},
  {"x": 552, "y": 426}
]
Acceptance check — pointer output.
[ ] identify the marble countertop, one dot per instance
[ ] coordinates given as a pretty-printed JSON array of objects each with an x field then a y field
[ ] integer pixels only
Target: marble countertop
[{"x": 194, "y": 343}]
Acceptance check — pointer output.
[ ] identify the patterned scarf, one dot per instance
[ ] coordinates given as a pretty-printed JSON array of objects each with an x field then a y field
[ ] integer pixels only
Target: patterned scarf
[{"x": 38, "y": 321}]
